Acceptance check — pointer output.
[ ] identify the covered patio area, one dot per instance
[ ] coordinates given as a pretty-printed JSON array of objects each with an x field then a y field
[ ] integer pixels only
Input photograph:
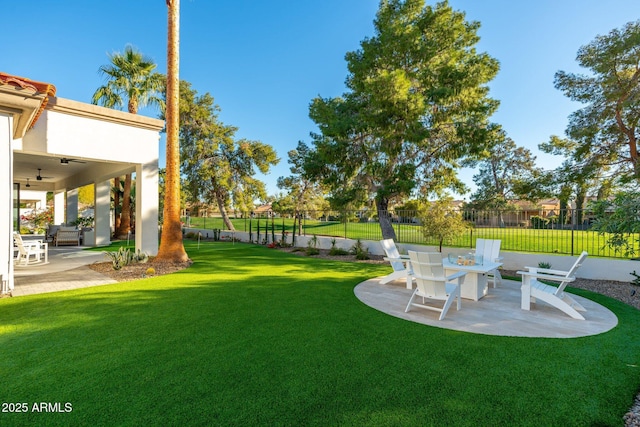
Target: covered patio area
[{"x": 55, "y": 145}]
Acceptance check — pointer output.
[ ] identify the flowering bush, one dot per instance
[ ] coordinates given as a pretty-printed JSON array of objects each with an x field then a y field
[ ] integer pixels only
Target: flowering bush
[{"x": 39, "y": 219}]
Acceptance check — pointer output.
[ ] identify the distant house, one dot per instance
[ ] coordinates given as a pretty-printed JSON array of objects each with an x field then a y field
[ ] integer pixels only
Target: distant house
[
  {"x": 263, "y": 211},
  {"x": 519, "y": 215}
]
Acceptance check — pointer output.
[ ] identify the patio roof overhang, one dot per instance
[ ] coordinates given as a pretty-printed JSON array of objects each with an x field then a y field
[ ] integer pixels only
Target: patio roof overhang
[
  {"x": 24, "y": 99},
  {"x": 75, "y": 144}
]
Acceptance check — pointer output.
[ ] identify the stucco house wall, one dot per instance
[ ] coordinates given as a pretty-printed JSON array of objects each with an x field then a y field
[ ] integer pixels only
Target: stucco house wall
[{"x": 38, "y": 131}]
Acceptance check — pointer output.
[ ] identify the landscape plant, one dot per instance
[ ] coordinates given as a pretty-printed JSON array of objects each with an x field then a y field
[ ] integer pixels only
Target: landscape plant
[
  {"x": 359, "y": 250},
  {"x": 334, "y": 250},
  {"x": 124, "y": 256},
  {"x": 312, "y": 246},
  {"x": 438, "y": 220}
]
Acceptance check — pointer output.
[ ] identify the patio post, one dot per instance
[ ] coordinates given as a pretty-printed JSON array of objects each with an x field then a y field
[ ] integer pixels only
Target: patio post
[
  {"x": 72, "y": 206},
  {"x": 58, "y": 207},
  {"x": 102, "y": 213}
]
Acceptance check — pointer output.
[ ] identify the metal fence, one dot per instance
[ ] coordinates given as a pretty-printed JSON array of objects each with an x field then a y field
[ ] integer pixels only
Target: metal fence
[{"x": 544, "y": 231}]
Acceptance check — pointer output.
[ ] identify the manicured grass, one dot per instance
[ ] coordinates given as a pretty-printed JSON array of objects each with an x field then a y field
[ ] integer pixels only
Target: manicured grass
[{"x": 252, "y": 336}]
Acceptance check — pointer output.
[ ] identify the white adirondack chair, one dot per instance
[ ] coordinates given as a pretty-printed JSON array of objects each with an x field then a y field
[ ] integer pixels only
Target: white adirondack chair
[
  {"x": 490, "y": 251},
  {"x": 432, "y": 284},
  {"x": 399, "y": 263},
  {"x": 532, "y": 289},
  {"x": 30, "y": 252}
]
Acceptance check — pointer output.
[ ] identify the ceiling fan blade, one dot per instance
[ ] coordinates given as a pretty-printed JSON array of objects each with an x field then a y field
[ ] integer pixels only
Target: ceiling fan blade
[
  {"x": 39, "y": 177},
  {"x": 66, "y": 161}
]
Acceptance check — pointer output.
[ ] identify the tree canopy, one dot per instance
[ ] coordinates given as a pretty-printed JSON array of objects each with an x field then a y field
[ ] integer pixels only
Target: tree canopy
[
  {"x": 417, "y": 103},
  {"x": 131, "y": 78},
  {"x": 606, "y": 129},
  {"x": 439, "y": 220},
  {"x": 505, "y": 174},
  {"x": 303, "y": 193},
  {"x": 218, "y": 167}
]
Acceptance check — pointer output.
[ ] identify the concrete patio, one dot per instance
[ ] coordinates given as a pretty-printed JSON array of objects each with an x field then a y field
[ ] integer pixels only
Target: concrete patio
[
  {"x": 67, "y": 269},
  {"x": 498, "y": 313}
]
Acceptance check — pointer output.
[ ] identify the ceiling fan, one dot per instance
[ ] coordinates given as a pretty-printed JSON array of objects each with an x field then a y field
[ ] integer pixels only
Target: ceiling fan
[
  {"x": 40, "y": 177},
  {"x": 65, "y": 161},
  {"x": 29, "y": 185}
]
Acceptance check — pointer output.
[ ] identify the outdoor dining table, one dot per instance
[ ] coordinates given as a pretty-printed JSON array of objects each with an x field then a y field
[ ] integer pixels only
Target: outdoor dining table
[{"x": 475, "y": 284}]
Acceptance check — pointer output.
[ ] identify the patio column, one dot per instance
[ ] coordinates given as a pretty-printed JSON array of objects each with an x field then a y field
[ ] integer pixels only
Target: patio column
[
  {"x": 72, "y": 206},
  {"x": 102, "y": 212},
  {"x": 6, "y": 194},
  {"x": 147, "y": 207},
  {"x": 58, "y": 207}
]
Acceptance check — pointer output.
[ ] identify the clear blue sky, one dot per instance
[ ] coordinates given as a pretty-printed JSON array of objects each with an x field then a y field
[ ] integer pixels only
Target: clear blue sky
[{"x": 264, "y": 60}]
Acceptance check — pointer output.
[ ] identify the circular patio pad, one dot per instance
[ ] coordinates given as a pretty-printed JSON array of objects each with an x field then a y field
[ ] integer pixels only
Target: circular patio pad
[{"x": 498, "y": 313}]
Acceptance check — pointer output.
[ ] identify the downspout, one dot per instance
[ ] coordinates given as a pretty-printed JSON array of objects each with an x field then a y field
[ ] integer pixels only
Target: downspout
[{"x": 8, "y": 282}]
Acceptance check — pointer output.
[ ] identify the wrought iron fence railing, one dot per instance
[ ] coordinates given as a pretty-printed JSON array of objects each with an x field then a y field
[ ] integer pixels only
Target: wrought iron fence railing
[{"x": 546, "y": 231}]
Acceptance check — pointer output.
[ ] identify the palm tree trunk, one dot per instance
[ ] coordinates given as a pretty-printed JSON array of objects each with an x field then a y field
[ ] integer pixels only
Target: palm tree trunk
[
  {"x": 171, "y": 246},
  {"x": 116, "y": 205},
  {"x": 125, "y": 214}
]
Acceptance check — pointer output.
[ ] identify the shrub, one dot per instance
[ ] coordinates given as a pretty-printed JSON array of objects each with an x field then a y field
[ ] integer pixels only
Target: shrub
[
  {"x": 150, "y": 271},
  {"x": 544, "y": 265},
  {"x": 335, "y": 250},
  {"x": 312, "y": 246},
  {"x": 123, "y": 257},
  {"x": 359, "y": 250}
]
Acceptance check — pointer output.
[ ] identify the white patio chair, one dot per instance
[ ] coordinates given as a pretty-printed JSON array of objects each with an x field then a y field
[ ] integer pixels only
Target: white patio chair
[
  {"x": 555, "y": 296},
  {"x": 30, "y": 252},
  {"x": 489, "y": 250},
  {"x": 399, "y": 263},
  {"x": 431, "y": 283}
]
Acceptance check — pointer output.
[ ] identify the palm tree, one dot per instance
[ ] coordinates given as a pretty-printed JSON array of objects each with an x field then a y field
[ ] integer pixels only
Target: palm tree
[
  {"x": 171, "y": 246},
  {"x": 130, "y": 76}
]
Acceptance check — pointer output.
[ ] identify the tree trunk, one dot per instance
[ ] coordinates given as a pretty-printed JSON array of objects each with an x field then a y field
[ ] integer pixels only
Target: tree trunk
[
  {"x": 581, "y": 194},
  {"x": 382, "y": 208},
  {"x": 562, "y": 215},
  {"x": 223, "y": 212},
  {"x": 171, "y": 246},
  {"x": 116, "y": 205},
  {"x": 125, "y": 214}
]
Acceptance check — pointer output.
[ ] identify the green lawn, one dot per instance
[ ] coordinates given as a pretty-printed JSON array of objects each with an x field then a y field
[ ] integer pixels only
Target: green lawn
[
  {"x": 252, "y": 336},
  {"x": 513, "y": 239}
]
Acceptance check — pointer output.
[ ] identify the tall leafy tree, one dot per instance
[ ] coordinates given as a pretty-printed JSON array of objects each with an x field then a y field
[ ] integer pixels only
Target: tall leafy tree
[
  {"x": 302, "y": 193},
  {"x": 171, "y": 245},
  {"x": 131, "y": 79},
  {"x": 220, "y": 169},
  {"x": 572, "y": 180},
  {"x": 417, "y": 104},
  {"x": 504, "y": 173},
  {"x": 606, "y": 129}
]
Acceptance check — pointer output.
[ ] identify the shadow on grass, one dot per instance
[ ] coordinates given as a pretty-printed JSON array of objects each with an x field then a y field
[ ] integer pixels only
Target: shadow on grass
[{"x": 251, "y": 336}]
